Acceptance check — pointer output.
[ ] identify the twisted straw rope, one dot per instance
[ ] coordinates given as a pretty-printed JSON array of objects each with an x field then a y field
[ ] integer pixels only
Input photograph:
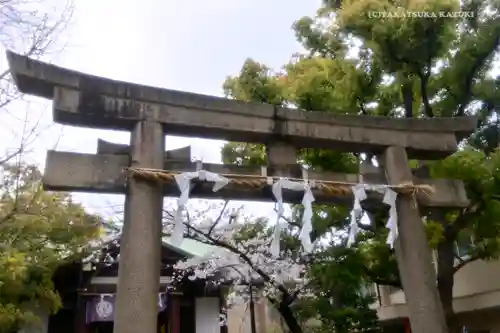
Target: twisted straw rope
[{"x": 327, "y": 186}]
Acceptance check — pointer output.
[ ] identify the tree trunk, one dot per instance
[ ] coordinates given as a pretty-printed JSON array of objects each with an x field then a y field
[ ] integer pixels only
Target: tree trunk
[
  {"x": 445, "y": 279},
  {"x": 289, "y": 318},
  {"x": 407, "y": 92}
]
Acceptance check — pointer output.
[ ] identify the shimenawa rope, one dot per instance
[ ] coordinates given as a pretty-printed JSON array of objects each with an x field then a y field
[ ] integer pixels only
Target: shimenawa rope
[{"x": 255, "y": 181}]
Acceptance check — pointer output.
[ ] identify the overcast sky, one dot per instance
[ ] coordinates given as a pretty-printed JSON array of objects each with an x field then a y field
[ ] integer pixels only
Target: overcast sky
[{"x": 189, "y": 45}]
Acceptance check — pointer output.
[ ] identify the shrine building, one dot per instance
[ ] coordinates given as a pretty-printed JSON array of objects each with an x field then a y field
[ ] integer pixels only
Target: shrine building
[{"x": 88, "y": 290}]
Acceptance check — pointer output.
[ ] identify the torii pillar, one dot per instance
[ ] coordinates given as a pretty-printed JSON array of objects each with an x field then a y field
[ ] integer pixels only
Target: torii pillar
[
  {"x": 139, "y": 265},
  {"x": 413, "y": 254}
]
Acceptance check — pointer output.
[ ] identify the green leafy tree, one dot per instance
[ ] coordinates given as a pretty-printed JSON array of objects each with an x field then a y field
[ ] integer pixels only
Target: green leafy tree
[
  {"x": 38, "y": 231},
  {"x": 404, "y": 66},
  {"x": 337, "y": 303}
]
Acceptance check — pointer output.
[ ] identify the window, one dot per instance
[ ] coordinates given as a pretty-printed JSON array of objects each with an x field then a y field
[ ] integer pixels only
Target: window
[
  {"x": 368, "y": 290},
  {"x": 463, "y": 245}
]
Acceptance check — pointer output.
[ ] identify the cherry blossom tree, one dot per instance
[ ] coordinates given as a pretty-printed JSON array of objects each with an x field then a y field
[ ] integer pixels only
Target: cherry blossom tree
[
  {"x": 241, "y": 255},
  {"x": 321, "y": 287}
]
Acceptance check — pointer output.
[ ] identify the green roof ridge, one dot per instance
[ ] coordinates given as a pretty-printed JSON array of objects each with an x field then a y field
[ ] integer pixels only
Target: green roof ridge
[{"x": 190, "y": 247}]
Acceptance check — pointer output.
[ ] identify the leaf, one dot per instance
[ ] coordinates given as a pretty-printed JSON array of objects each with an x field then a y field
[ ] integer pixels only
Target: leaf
[{"x": 38, "y": 232}]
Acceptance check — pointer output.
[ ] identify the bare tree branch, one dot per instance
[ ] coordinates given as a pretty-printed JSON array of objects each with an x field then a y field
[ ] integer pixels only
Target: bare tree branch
[
  {"x": 219, "y": 218},
  {"x": 34, "y": 29}
]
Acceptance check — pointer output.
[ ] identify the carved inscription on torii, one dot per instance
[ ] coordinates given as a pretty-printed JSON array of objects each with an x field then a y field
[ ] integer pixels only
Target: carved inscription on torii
[{"x": 150, "y": 113}]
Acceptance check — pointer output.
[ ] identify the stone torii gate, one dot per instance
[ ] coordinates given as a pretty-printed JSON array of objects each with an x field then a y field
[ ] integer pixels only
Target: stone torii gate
[{"x": 150, "y": 113}]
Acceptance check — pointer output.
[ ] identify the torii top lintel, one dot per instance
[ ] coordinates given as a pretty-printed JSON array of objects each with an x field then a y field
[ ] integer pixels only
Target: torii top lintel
[{"x": 91, "y": 101}]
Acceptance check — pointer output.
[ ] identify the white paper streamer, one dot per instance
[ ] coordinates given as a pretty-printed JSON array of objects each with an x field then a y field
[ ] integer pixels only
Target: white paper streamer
[
  {"x": 183, "y": 181},
  {"x": 277, "y": 190},
  {"x": 307, "y": 201},
  {"x": 353, "y": 229},
  {"x": 305, "y": 233},
  {"x": 359, "y": 194},
  {"x": 392, "y": 224}
]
